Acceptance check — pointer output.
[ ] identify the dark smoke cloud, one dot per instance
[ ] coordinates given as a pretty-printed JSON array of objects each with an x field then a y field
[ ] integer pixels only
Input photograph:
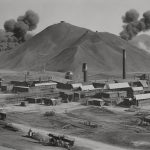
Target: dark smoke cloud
[
  {"x": 9, "y": 25},
  {"x": 146, "y": 19},
  {"x": 133, "y": 25},
  {"x": 20, "y": 30},
  {"x": 17, "y": 31},
  {"x": 130, "y": 16},
  {"x": 25, "y": 23},
  {"x": 30, "y": 18}
]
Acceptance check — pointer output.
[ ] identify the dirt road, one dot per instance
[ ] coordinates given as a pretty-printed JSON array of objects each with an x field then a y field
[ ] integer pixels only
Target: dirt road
[
  {"x": 78, "y": 141},
  {"x": 42, "y": 108},
  {"x": 5, "y": 148}
]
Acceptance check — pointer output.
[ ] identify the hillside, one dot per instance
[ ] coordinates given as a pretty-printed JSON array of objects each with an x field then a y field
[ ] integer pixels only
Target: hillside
[{"x": 63, "y": 47}]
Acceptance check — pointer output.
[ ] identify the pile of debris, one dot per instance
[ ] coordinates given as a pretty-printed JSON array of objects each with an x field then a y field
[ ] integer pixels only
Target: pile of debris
[{"x": 52, "y": 140}]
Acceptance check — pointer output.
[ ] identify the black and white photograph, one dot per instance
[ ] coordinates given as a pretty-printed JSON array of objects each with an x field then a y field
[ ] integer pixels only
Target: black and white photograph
[{"x": 74, "y": 74}]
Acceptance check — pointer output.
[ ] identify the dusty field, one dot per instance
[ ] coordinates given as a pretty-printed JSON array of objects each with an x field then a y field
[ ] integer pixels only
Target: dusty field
[
  {"x": 117, "y": 129},
  {"x": 115, "y": 126}
]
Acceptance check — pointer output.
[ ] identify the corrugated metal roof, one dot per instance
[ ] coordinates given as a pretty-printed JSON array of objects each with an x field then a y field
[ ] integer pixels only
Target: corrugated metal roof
[
  {"x": 44, "y": 84},
  {"x": 116, "y": 85},
  {"x": 142, "y": 96},
  {"x": 87, "y": 87},
  {"x": 137, "y": 88}
]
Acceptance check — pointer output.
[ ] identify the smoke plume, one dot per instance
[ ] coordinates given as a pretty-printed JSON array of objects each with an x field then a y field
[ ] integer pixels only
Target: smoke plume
[
  {"x": 30, "y": 18},
  {"x": 17, "y": 31},
  {"x": 20, "y": 30},
  {"x": 25, "y": 23},
  {"x": 133, "y": 25},
  {"x": 9, "y": 25},
  {"x": 130, "y": 16}
]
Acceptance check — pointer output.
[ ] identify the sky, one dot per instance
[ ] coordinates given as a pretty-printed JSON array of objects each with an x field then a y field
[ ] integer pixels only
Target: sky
[{"x": 100, "y": 15}]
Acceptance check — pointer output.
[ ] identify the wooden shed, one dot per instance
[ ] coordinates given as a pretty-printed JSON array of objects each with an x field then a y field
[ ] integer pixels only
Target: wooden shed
[
  {"x": 34, "y": 99},
  {"x": 20, "y": 89},
  {"x": 51, "y": 101},
  {"x": 94, "y": 101}
]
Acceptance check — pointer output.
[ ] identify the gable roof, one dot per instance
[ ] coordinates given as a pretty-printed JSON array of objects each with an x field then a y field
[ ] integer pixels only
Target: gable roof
[
  {"x": 116, "y": 85},
  {"x": 143, "y": 83},
  {"x": 87, "y": 87}
]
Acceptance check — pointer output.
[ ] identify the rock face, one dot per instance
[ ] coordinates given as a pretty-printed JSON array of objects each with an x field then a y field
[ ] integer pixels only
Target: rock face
[{"x": 64, "y": 47}]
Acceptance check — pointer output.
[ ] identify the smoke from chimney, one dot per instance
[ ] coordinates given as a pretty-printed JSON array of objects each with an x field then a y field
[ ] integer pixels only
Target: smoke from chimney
[
  {"x": 133, "y": 25},
  {"x": 84, "y": 70}
]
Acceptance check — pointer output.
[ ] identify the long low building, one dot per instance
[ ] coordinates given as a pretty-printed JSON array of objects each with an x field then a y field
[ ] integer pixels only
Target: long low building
[
  {"x": 142, "y": 99},
  {"x": 116, "y": 86}
]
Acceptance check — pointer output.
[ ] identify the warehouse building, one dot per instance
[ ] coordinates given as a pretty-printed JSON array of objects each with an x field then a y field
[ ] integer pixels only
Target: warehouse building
[
  {"x": 142, "y": 99},
  {"x": 117, "y": 86},
  {"x": 36, "y": 87}
]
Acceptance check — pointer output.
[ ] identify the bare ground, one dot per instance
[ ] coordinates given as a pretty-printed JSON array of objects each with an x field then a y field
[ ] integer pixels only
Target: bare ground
[{"x": 116, "y": 127}]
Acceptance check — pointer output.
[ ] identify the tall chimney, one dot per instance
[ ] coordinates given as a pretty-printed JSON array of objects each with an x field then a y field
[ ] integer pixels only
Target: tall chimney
[
  {"x": 124, "y": 64},
  {"x": 84, "y": 70}
]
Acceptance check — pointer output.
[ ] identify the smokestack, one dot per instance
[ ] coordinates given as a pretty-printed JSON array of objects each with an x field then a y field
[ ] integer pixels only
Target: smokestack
[
  {"x": 124, "y": 64},
  {"x": 84, "y": 70}
]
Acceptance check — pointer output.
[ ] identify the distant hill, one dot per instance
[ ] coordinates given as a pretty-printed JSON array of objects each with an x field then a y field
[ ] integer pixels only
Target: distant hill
[
  {"x": 62, "y": 47},
  {"x": 142, "y": 41}
]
